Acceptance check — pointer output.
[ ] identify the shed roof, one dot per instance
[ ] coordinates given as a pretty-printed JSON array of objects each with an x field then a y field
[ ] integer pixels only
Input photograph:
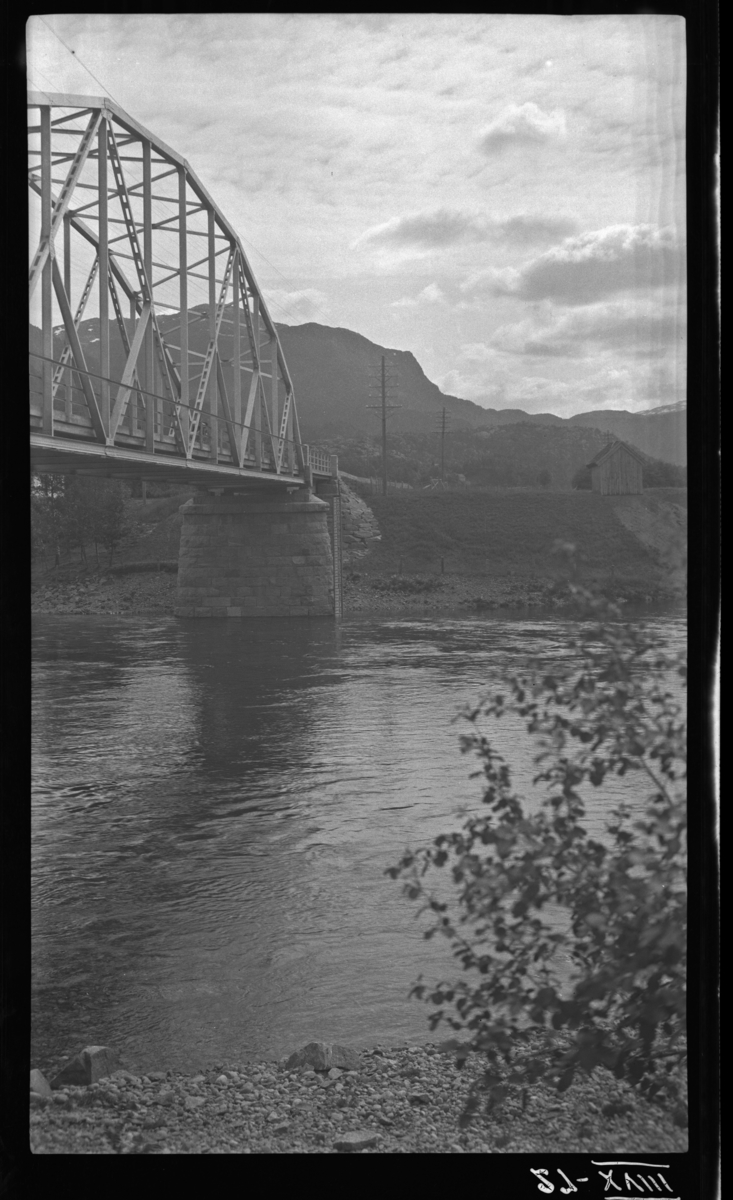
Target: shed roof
[{"x": 606, "y": 451}]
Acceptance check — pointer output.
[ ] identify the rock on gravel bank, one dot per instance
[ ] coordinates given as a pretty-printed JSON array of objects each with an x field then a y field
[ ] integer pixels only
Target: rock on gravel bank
[{"x": 405, "y": 1099}]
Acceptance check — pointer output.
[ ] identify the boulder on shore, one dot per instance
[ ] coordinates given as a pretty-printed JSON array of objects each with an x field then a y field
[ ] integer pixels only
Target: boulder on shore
[
  {"x": 322, "y": 1056},
  {"x": 39, "y": 1084},
  {"x": 93, "y": 1063},
  {"x": 361, "y": 1139}
]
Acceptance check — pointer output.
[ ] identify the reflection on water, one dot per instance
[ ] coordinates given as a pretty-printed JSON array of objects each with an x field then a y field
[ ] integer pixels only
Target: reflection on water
[{"x": 214, "y": 809}]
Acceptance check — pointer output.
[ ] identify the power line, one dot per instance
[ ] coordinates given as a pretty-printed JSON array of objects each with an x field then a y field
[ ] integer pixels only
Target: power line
[
  {"x": 103, "y": 86},
  {"x": 38, "y": 71}
]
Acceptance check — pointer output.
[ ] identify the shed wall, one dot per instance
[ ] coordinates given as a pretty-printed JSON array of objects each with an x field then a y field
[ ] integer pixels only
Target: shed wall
[{"x": 619, "y": 475}]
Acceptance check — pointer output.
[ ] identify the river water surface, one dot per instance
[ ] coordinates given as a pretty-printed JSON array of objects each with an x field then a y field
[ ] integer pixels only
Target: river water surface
[{"x": 214, "y": 808}]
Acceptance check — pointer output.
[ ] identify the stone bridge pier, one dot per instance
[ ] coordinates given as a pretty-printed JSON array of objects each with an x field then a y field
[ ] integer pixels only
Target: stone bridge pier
[{"x": 257, "y": 555}]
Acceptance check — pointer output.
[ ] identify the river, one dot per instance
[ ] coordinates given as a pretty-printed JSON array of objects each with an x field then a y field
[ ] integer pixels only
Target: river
[{"x": 214, "y": 807}]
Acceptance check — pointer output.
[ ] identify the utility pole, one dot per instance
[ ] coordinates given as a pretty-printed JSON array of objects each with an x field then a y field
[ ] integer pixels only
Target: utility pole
[
  {"x": 441, "y": 431},
  {"x": 384, "y": 383}
]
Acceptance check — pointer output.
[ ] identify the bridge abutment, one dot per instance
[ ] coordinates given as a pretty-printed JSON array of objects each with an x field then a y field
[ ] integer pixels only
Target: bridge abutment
[{"x": 255, "y": 556}]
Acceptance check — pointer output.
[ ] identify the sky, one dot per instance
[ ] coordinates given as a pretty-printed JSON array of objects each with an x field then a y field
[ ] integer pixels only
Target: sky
[{"x": 501, "y": 195}]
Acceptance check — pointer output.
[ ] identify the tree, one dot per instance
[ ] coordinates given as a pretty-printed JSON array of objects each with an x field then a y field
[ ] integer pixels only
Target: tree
[
  {"x": 76, "y": 516},
  {"x": 108, "y": 523},
  {"x": 47, "y": 496},
  {"x": 71, "y": 511},
  {"x": 610, "y": 711}
]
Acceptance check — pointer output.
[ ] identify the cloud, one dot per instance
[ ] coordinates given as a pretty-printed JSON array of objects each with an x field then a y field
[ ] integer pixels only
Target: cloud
[
  {"x": 522, "y": 123},
  {"x": 431, "y": 294},
  {"x": 304, "y": 304},
  {"x": 442, "y": 227},
  {"x": 611, "y": 386},
  {"x": 478, "y": 352},
  {"x": 528, "y": 228},
  {"x": 584, "y": 268},
  {"x": 436, "y": 228},
  {"x": 470, "y": 386},
  {"x": 642, "y": 329},
  {"x": 603, "y": 367}
]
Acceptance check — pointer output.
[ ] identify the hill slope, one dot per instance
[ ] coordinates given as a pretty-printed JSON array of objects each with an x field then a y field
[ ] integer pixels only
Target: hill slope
[
  {"x": 505, "y": 533},
  {"x": 332, "y": 370}
]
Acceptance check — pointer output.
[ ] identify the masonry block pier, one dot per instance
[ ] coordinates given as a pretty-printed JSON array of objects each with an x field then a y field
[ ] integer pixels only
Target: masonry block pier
[{"x": 255, "y": 556}]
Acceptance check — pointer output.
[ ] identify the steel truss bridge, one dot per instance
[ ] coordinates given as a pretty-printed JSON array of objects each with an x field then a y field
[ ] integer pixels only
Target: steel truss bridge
[{"x": 126, "y": 230}]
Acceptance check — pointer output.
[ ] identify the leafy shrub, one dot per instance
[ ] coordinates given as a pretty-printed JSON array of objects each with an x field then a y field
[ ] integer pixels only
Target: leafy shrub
[{"x": 608, "y": 713}]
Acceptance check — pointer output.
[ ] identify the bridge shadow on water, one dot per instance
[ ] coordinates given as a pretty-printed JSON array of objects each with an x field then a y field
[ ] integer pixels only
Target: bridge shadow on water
[{"x": 174, "y": 781}]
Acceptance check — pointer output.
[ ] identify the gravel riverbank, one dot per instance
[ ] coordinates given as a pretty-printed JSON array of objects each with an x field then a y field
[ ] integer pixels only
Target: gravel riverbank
[
  {"x": 153, "y": 593},
  {"x": 405, "y": 1099}
]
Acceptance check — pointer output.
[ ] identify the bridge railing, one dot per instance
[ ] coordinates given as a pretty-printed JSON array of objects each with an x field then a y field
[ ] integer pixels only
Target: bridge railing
[
  {"x": 263, "y": 450},
  {"x": 320, "y": 462},
  {"x": 72, "y": 420}
]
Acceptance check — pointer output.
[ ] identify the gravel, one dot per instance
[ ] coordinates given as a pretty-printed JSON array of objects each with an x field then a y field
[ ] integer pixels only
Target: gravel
[
  {"x": 403, "y": 1100},
  {"x": 153, "y": 593},
  {"x": 150, "y": 592}
]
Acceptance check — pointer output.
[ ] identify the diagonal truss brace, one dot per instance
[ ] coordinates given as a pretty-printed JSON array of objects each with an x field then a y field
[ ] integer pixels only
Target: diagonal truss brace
[
  {"x": 256, "y": 387},
  {"x": 121, "y": 190},
  {"x": 146, "y": 310},
  {"x": 66, "y": 352},
  {"x": 62, "y": 203},
  {"x": 283, "y": 430},
  {"x": 129, "y": 373},
  {"x": 209, "y": 359},
  {"x": 123, "y": 333},
  {"x": 171, "y": 381},
  {"x": 235, "y": 441},
  {"x": 90, "y": 236},
  {"x": 266, "y": 411},
  {"x": 78, "y": 353}
]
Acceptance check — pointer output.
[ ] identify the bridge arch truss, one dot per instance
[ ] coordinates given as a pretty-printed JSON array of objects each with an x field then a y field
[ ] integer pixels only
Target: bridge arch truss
[{"x": 127, "y": 237}]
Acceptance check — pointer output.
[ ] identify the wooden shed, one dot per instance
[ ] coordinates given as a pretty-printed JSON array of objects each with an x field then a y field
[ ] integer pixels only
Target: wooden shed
[{"x": 617, "y": 470}]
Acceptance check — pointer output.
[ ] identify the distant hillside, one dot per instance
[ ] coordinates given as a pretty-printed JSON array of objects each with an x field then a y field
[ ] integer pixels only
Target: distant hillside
[
  {"x": 332, "y": 370},
  {"x": 519, "y": 455},
  {"x": 660, "y": 432},
  {"x": 523, "y": 455}
]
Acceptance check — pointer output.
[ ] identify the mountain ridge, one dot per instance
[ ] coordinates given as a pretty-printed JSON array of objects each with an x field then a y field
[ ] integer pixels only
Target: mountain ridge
[
  {"x": 342, "y": 356},
  {"x": 332, "y": 369}
]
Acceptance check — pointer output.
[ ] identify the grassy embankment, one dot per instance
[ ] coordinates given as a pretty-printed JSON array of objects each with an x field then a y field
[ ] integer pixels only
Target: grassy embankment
[
  {"x": 514, "y": 534},
  {"x": 504, "y": 538}
]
